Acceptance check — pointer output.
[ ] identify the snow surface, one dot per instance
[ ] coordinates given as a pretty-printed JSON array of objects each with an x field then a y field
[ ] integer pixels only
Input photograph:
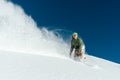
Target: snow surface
[
  {"x": 20, "y": 66},
  {"x": 30, "y": 53}
]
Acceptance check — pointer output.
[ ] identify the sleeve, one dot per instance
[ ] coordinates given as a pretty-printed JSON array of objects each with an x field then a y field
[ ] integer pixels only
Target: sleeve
[
  {"x": 71, "y": 49},
  {"x": 81, "y": 44}
]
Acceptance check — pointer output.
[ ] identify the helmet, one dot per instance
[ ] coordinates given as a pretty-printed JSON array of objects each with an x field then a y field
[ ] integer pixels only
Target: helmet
[{"x": 75, "y": 34}]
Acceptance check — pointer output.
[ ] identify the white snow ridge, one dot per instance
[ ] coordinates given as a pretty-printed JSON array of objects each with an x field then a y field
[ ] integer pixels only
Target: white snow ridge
[{"x": 30, "y": 53}]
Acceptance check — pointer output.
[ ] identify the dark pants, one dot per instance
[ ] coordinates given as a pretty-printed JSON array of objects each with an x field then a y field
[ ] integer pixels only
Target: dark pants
[{"x": 77, "y": 53}]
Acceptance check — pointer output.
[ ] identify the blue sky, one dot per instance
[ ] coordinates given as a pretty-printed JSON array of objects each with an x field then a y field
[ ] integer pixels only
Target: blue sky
[{"x": 97, "y": 21}]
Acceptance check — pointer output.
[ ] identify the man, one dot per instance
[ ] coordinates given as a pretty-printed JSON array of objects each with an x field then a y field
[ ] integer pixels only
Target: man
[{"x": 78, "y": 45}]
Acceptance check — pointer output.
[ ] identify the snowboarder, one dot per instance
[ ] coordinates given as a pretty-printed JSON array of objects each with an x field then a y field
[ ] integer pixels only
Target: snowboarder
[{"x": 78, "y": 45}]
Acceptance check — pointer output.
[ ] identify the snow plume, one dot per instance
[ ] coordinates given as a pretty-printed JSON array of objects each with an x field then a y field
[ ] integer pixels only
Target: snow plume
[{"x": 19, "y": 32}]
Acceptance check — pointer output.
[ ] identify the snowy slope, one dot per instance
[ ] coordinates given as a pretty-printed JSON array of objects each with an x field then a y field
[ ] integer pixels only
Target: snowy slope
[
  {"x": 20, "y": 66},
  {"x": 30, "y": 53}
]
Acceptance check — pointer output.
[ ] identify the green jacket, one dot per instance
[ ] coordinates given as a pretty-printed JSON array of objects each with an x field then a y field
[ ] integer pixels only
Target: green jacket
[{"x": 76, "y": 44}]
